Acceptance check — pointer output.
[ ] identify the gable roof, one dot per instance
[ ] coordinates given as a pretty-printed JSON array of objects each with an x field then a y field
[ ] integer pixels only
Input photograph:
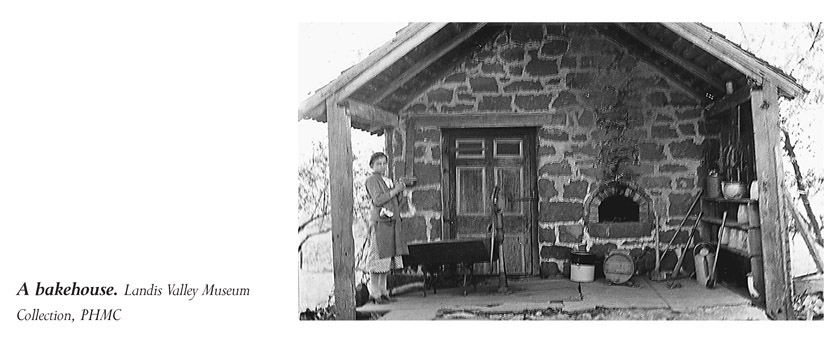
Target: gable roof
[{"x": 693, "y": 54}]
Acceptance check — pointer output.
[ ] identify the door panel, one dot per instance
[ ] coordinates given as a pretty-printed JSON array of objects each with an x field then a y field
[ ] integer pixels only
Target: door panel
[
  {"x": 479, "y": 160},
  {"x": 470, "y": 182}
]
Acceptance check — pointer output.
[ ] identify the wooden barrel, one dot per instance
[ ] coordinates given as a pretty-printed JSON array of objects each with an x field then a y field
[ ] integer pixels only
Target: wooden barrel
[{"x": 618, "y": 268}]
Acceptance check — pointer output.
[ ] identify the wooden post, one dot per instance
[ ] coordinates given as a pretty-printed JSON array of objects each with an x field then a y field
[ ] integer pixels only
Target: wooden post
[
  {"x": 389, "y": 148},
  {"x": 342, "y": 208},
  {"x": 770, "y": 181},
  {"x": 409, "y": 147}
]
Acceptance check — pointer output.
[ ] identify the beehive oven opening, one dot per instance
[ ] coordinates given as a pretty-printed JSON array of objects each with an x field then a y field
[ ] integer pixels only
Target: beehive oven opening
[
  {"x": 619, "y": 202},
  {"x": 618, "y": 209}
]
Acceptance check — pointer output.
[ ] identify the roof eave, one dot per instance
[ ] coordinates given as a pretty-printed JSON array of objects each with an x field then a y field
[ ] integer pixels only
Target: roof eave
[
  {"x": 736, "y": 57},
  {"x": 352, "y": 78}
]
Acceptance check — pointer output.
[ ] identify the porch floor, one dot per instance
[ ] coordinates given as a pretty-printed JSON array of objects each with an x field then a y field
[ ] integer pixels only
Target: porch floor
[{"x": 530, "y": 294}]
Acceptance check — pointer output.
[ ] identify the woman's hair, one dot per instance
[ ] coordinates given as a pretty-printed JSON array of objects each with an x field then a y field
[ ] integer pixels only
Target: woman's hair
[{"x": 377, "y": 155}]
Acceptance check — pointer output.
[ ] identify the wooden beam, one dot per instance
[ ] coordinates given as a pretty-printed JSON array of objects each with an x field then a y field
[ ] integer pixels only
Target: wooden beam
[
  {"x": 446, "y": 200},
  {"x": 486, "y": 120},
  {"x": 728, "y": 102},
  {"x": 370, "y": 114},
  {"x": 409, "y": 148},
  {"x": 672, "y": 56},
  {"x": 769, "y": 172},
  {"x": 801, "y": 225},
  {"x": 735, "y": 56},
  {"x": 427, "y": 61},
  {"x": 389, "y": 148},
  {"x": 308, "y": 106},
  {"x": 811, "y": 284},
  {"x": 342, "y": 209}
]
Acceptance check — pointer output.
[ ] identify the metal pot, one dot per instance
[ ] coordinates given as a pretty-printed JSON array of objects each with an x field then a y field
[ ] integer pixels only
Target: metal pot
[
  {"x": 734, "y": 190},
  {"x": 712, "y": 186}
]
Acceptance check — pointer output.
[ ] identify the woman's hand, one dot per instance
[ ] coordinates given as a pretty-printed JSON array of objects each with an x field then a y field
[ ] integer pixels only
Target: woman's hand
[{"x": 399, "y": 187}]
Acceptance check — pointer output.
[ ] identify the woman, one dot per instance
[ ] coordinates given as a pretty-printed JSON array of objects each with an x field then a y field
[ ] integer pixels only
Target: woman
[{"x": 387, "y": 242}]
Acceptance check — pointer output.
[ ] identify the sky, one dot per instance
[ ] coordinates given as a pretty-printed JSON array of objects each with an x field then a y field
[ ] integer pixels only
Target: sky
[{"x": 325, "y": 50}]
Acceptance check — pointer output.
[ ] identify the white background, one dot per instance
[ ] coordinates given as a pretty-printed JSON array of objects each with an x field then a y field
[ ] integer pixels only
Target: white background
[{"x": 151, "y": 142}]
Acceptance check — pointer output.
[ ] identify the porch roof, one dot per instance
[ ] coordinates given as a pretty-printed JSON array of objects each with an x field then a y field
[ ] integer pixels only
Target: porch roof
[{"x": 377, "y": 88}]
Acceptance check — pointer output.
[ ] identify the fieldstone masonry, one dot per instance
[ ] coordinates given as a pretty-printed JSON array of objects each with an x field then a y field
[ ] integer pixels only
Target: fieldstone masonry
[{"x": 574, "y": 73}]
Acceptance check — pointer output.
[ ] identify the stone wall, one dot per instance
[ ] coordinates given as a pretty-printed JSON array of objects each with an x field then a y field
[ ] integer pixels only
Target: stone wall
[
  {"x": 422, "y": 218},
  {"x": 581, "y": 77}
]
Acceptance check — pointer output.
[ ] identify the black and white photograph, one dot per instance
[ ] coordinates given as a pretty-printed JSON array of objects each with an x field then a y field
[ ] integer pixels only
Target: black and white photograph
[{"x": 561, "y": 171}]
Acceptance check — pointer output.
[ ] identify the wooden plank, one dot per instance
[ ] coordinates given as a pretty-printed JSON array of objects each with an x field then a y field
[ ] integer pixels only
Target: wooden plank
[
  {"x": 384, "y": 56},
  {"x": 342, "y": 209},
  {"x": 371, "y": 114},
  {"x": 486, "y": 120},
  {"x": 809, "y": 283},
  {"x": 728, "y": 102},
  {"x": 765, "y": 125},
  {"x": 533, "y": 213},
  {"x": 801, "y": 225},
  {"x": 446, "y": 202},
  {"x": 673, "y": 56},
  {"x": 718, "y": 221},
  {"x": 427, "y": 61},
  {"x": 734, "y": 56},
  {"x": 755, "y": 244},
  {"x": 757, "y": 275}
]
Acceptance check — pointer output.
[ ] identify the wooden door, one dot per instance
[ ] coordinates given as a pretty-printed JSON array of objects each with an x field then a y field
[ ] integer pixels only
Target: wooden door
[{"x": 478, "y": 160}]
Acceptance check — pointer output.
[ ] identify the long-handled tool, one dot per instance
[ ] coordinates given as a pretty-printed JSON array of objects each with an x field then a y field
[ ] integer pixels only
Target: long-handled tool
[
  {"x": 687, "y": 214},
  {"x": 681, "y": 259},
  {"x": 712, "y": 277},
  {"x": 656, "y": 275}
]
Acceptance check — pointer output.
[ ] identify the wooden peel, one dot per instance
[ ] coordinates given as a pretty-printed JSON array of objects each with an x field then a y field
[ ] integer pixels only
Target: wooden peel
[
  {"x": 656, "y": 275},
  {"x": 687, "y": 214},
  {"x": 712, "y": 277},
  {"x": 681, "y": 259}
]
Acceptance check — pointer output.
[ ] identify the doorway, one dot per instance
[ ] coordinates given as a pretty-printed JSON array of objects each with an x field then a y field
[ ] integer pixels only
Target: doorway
[{"x": 476, "y": 162}]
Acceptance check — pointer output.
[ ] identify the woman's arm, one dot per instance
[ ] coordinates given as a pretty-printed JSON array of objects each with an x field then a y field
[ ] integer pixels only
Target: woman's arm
[{"x": 379, "y": 193}]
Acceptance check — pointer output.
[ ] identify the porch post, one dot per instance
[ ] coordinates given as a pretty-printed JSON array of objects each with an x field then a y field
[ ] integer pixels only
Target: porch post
[
  {"x": 342, "y": 208},
  {"x": 770, "y": 180}
]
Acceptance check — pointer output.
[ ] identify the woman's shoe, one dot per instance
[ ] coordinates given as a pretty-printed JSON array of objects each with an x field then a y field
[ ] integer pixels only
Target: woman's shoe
[
  {"x": 378, "y": 300},
  {"x": 388, "y": 298}
]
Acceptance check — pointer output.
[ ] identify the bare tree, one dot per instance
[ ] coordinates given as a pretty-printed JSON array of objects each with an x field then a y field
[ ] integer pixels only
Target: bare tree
[{"x": 314, "y": 199}]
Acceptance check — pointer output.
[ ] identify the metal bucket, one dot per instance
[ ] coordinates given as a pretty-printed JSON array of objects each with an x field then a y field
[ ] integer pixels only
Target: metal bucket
[{"x": 703, "y": 261}]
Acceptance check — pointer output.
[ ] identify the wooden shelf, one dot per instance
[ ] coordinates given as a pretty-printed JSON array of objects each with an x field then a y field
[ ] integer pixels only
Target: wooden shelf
[
  {"x": 724, "y": 200},
  {"x": 732, "y": 250},
  {"x": 732, "y": 224}
]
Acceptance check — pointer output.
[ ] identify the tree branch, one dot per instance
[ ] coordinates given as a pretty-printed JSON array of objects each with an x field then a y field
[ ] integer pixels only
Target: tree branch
[
  {"x": 313, "y": 218},
  {"x": 743, "y": 31},
  {"x": 816, "y": 36},
  {"x": 307, "y": 237}
]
